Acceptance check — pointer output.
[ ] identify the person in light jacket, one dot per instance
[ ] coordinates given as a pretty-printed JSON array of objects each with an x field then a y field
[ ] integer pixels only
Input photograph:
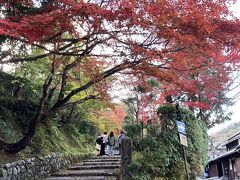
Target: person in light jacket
[{"x": 103, "y": 144}]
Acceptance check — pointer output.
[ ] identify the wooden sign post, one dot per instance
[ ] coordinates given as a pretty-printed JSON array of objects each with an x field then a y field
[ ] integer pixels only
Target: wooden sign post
[{"x": 182, "y": 137}]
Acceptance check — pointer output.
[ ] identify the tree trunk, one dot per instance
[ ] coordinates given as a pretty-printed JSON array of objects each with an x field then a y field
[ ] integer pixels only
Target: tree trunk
[
  {"x": 25, "y": 141},
  {"x": 17, "y": 92}
]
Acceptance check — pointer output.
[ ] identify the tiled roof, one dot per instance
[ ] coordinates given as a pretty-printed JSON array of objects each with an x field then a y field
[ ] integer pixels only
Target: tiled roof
[{"x": 224, "y": 155}]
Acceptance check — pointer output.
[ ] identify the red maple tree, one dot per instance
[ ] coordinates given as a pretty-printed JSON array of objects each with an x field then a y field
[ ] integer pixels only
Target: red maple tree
[
  {"x": 116, "y": 115},
  {"x": 185, "y": 45}
]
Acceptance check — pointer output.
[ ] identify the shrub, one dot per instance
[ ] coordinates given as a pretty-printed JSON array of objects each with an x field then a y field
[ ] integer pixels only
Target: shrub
[{"x": 160, "y": 155}]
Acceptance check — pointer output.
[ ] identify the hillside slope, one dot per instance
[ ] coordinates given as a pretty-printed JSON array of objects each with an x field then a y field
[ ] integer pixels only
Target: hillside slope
[
  {"x": 224, "y": 134},
  {"x": 17, "y": 110}
]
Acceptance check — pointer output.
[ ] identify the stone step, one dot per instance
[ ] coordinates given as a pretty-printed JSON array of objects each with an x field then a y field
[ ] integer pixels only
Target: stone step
[
  {"x": 90, "y": 172},
  {"x": 83, "y": 178},
  {"x": 94, "y": 167},
  {"x": 102, "y": 160},
  {"x": 107, "y": 157},
  {"x": 99, "y": 163}
]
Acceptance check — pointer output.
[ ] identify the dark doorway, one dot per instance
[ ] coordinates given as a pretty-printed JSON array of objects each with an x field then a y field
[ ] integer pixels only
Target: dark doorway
[
  {"x": 220, "y": 170},
  {"x": 233, "y": 168},
  {"x": 226, "y": 167}
]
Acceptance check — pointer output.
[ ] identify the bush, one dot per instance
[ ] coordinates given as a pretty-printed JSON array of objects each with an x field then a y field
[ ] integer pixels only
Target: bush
[
  {"x": 134, "y": 132},
  {"x": 160, "y": 155}
]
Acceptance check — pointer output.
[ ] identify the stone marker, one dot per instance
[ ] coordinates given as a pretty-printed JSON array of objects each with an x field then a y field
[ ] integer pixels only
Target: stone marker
[{"x": 126, "y": 156}]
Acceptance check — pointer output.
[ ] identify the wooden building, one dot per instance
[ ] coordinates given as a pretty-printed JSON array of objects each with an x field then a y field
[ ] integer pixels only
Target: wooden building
[{"x": 227, "y": 165}]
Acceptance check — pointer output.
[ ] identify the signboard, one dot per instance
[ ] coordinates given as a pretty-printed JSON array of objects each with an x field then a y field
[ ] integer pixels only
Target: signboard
[
  {"x": 158, "y": 131},
  {"x": 183, "y": 139},
  {"x": 181, "y": 127}
]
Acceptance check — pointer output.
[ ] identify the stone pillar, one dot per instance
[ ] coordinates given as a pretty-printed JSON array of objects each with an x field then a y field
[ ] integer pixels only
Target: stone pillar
[{"x": 126, "y": 157}]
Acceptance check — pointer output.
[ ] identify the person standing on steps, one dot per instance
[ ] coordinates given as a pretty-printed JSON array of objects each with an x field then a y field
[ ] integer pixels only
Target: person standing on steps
[
  {"x": 120, "y": 138},
  {"x": 103, "y": 144},
  {"x": 99, "y": 141},
  {"x": 111, "y": 143}
]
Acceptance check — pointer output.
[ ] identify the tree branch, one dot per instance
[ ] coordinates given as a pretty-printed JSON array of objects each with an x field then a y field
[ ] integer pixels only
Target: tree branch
[{"x": 89, "y": 97}]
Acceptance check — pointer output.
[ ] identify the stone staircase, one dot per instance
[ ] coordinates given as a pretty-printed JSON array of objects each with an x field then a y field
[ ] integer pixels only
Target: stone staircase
[{"x": 96, "y": 168}]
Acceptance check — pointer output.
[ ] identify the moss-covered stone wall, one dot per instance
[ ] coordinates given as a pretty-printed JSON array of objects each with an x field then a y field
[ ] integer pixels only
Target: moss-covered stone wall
[{"x": 39, "y": 167}]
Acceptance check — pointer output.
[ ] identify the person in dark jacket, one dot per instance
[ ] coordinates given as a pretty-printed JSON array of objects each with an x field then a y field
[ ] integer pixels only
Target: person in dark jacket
[
  {"x": 120, "y": 138},
  {"x": 111, "y": 143},
  {"x": 103, "y": 144}
]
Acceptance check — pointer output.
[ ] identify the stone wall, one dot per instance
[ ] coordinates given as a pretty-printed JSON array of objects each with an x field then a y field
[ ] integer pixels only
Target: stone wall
[{"x": 38, "y": 167}]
